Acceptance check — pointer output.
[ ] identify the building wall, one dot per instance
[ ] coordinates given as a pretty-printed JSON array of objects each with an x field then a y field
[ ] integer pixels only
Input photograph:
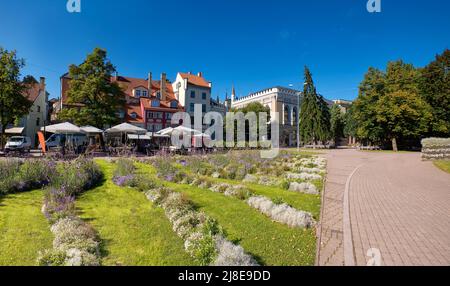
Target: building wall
[
  {"x": 35, "y": 119},
  {"x": 281, "y": 100}
]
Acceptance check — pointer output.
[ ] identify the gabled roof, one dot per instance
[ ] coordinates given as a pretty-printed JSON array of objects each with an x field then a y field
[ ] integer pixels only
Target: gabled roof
[
  {"x": 32, "y": 92},
  {"x": 195, "y": 80}
]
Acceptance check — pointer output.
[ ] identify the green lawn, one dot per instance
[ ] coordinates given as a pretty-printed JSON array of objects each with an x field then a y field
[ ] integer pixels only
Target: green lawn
[
  {"x": 444, "y": 165},
  {"x": 24, "y": 231},
  {"x": 133, "y": 231},
  {"x": 269, "y": 242}
]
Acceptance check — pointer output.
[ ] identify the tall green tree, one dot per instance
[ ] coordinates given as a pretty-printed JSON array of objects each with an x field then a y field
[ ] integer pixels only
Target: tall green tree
[
  {"x": 403, "y": 114},
  {"x": 434, "y": 88},
  {"x": 371, "y": 89},
  {"x": 350, "y": 124},
  {"x": 337, "y": 123},
  {"x": 389, "y": 107},
  {"x": 314, "y": 114},
  {"x": 13, "y": 104},
  {"x": 92, "y": 87}
]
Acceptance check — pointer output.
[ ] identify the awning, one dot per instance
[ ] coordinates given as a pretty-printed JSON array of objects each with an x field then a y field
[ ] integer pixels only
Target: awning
[
  {"x": 15, "y": 130},
  {"x": 138, "y": 137},
  {"x": 156, "y": 135}
]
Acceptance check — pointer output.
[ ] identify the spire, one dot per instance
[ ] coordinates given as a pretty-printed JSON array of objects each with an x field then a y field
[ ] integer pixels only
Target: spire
[{"x": 233, "y": 94}]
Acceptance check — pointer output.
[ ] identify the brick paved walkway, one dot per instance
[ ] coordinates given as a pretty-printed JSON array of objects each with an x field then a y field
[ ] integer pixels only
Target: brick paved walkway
[{"x": 397, "y": 204}]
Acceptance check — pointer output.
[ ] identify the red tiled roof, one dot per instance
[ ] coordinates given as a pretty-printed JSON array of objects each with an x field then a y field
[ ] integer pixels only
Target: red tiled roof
[
  {"x": 136, "y": 108},
  {"x": 195, "y": 80},
  {"x": 32, "y": 92}
]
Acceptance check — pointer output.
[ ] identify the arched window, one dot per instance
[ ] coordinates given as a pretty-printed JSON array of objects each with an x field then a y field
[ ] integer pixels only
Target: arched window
[
  {"x": 174, "y": 104},
  {"x": 295, "y": 116},
  {"x": 286, "y": 116}
]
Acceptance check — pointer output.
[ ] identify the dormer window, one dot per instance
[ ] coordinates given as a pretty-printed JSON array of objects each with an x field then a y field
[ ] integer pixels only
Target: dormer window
[
  {"x": 158, "y": 95},
  {"x": 133, "y": 115},
  {"x": 138, "y": 93},
  {"x": 155, "y": 103},
  {"x": 144, "y": 93},
  {"x": 174, "y": 104}
]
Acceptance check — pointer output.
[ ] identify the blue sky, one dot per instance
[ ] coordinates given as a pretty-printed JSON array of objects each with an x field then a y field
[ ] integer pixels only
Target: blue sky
[{"x": 253, "y": 44}]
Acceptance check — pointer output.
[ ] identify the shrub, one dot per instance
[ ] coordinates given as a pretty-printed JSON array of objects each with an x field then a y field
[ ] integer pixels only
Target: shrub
[
  {"x": 124, "y": 167},
  {"x": 77, "y": 176},
  {"x": 436, "y": 149},
  {"x": 303, "y": 176},
  {"x": 282, "y": 213},
  {"x": 306, "y": 188},
  {"x": 52, "y": 257},
  {"x": 58, "y": 204},
  {"x": 230, "y": 254}
]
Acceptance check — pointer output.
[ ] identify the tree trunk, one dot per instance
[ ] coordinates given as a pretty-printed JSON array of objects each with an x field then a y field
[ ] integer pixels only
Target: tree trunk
[
  {"x": 394, "y": 144},
  {"x": 1, "y": 137}
]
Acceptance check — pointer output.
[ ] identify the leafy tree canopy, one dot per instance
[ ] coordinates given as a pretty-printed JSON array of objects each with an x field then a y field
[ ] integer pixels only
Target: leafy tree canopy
[{"x": 92, "y": 87}]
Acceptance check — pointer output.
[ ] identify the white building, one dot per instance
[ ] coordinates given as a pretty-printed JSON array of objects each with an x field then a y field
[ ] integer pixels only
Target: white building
[
  {"x": 278, "y": 99},
  {"x": 30, "y": 124},
  {"x": 193, "y": 89}
]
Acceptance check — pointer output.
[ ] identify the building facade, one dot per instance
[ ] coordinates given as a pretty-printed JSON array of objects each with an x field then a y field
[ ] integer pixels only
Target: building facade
[
  {"x": 150, "y": 104},
  {"x": 30, "y": 124},
  {"x": 193, "y": 89},
  {"x": 283, "y": 100}
]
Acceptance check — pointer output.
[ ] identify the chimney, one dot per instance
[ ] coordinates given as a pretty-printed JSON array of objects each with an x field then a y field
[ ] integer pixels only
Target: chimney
[
  {"x": 42, "y": 83},
  {"x": 163, "y": 86},
  {"x": 149, "y": 85},
  {"x": 200, "y": 74}
]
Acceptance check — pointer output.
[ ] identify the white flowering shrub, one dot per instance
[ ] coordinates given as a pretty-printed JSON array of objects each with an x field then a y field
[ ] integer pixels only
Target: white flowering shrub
[
  {"x": 283, "y": 213},
  {"x": 436, "y": 149},
  {"x": 303, "y": 176},
  {"x": 306, "y": 188},
  {"x": 310, "y": 170},
  {"x": 196, "y": 229},
  {"x": 75, "y": 244},
  {"x": 230, "y": 254},
  {"x": 249, "y": 178}
]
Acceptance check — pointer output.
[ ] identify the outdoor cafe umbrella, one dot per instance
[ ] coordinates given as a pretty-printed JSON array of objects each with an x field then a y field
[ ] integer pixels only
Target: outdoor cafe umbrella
[
  {"x": 126, "y": 128},
  {"x": 91, "y": 130},
  {"x": 62, "y": 128}
]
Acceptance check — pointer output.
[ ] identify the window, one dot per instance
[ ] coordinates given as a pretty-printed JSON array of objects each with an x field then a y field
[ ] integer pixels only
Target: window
[
  {"x": 193, "y": 94},
  {"x": 155, "y": 103},
  {"x": 39, "y": 108},
  {"x": 133, "y": 115},
  {"x": 203, "y": 108},
  {"x": 192, "y": 107},
  {"x": 144, "y": 93},
  {"x": 204, "y": 95},
  {"x": 38, "y": 121},
  {"x": 158, "y": 95},
  {"x": 138, "y": 93},
  {"x": 174, "y": 104},
  {"x": 168, "y": 116}
]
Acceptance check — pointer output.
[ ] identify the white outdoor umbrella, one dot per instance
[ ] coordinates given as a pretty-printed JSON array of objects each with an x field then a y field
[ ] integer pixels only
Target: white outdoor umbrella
[
  {"x": 62, "y": 128},
  {"x": 180, "y": 129},
  {"x": 126, "y": 128},
  {"x": 91, "y": 130}
]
